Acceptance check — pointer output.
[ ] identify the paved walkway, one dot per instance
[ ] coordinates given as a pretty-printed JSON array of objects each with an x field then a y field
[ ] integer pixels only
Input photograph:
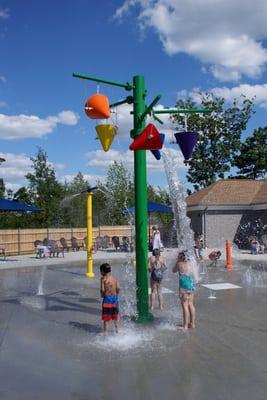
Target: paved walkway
[
  {"x": 52, "y": 347},
  {"x": 23, "y": 261}
]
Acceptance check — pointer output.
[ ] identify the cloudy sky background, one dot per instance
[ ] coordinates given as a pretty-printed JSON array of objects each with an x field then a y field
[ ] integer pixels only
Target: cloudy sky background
[{"x": 180, "y": 46}]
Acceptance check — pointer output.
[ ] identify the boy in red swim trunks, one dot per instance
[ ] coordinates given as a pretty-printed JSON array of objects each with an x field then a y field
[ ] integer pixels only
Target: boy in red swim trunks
[{"x": 109, "y": 289}]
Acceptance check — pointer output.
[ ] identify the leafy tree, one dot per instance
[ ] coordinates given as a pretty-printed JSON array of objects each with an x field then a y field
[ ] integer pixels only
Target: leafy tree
[
  {"x": 252, "y": 158},
  {"x": 220, "y": 133},
  {"x": 119, "y": 193},
  {"x": 45, "y": 190},
  {"x": 23, "y": 195},
  {"x": 74, "y": 202},
  {"x": 2, "y": 188}
]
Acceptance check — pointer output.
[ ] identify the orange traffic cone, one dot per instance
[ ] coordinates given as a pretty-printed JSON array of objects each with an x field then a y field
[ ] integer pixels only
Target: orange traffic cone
[
  {"x": 97, "y": 106},
  {"x": 106, "y": 134},
  {"x": 229, "y": 260},
  {"x": 149, "y": 139}
]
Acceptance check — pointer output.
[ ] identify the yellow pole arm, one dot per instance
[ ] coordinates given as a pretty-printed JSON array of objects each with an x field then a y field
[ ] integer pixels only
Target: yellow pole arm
[{"x": 89, "y": 273}]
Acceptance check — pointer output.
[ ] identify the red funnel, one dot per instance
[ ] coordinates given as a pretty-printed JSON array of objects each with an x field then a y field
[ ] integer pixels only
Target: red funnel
[
  {"x": 187, "y": 142},
  {"x": 149, "y": 139}
]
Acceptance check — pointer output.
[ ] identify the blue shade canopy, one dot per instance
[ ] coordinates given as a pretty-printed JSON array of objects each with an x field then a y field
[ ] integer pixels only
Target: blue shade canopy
[
  {"x": 153, "y": 207},
  {"x": 15, "y": 206}
]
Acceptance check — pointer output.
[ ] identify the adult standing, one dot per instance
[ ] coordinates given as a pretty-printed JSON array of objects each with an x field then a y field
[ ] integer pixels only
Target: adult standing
[{"x": 157, "y": 243}]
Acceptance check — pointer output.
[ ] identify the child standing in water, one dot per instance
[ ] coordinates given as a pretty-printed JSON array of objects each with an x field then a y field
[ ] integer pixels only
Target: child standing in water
[
  {"x": 157, "y": 266},
  {"x": 109, "y": 289},
  {"x": 186, "y": 288}
]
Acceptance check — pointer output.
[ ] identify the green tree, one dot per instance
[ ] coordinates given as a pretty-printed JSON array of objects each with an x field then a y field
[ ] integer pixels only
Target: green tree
[
  {"x": 23, "y": 195},
  {"x": 74, "y": 202},
  {"x": 119, "y": 193},
  {"x": 45, "y": 190},
  {"x": 220, "y": 136},
  {"x": 252, "y": 158},
  {"x": 2, "y": 188}
]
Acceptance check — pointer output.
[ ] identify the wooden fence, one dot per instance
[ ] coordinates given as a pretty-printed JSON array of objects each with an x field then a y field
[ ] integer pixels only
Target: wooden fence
[{"x": 21, "y": 241}]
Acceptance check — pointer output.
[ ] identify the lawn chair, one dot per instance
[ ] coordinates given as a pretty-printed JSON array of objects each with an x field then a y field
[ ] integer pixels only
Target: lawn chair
[
  {"x": 106, "y": 241},
  {"x": 116, "y": 242},
  {"x": 99, "y": 242},
  {"x": 74, "y": 244},
  {"x": 39, "y": 251},
  {"x": 64, "y": 244},
  {"x": 54, "y": 249},
  {"x": 125, "y": 246},
  {"x": 3, "y": 253}
]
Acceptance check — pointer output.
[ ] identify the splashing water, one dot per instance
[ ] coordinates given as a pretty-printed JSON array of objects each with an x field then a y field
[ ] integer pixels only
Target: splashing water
[
  {"x": 185, "y": 236},
  {"x": 128, "y": 339},
  {"x": 128, "y": 294},
  {"x": 40, "y": 291},
  {"x": 255, "y": 277},
  {"x": 68, "y": 199}
]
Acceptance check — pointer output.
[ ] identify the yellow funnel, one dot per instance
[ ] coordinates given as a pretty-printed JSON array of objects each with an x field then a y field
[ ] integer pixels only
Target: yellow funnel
[{"x": 106, "y": 133}]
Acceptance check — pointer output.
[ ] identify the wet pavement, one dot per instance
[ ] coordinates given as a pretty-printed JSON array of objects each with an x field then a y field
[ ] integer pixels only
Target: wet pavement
[{"x": 52, "y": 346}]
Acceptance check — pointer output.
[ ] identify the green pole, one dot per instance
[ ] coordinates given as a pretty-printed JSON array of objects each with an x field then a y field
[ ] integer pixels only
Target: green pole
[{"x": 140, "y": 180}]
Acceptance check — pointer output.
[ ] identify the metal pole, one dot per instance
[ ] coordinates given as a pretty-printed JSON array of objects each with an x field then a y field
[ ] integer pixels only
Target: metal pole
[
  {"x": 183, "y": 111},
  {"x": 126, "y": 85},
  {"x": 89, "y": 273},
  {"x": 140, "y": 180}
]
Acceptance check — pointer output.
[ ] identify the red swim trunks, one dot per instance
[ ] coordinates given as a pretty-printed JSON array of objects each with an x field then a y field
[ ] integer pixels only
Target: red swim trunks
[{"x": 110, "y": 308}]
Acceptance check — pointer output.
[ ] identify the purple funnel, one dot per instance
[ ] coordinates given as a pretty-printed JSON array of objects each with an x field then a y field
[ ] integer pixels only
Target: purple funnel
[{"x": 187, "y": 142}]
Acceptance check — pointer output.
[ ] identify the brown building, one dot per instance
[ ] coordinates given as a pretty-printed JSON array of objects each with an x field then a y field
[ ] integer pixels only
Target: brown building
[{"x": 234, "y": 209}]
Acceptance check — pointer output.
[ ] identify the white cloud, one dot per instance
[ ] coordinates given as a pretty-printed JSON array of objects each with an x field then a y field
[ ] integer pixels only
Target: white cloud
[
  {"x": 3, "y": 78},
  {"x": 16, "y": 166},
  {"x": 98, "y": 159},
  {"x": 3, "y": 104},
  {"x": 225, "y": 35},
  {"x": 14, "y": 169},
  {"x": 4, "y": 12},
  {"x": 124, "y": 120},
  {"x": 30, "y": 126},
  {"x": 259, "y": 92}
]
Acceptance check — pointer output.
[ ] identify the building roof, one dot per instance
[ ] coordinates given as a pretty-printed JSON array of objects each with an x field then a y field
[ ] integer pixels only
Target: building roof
[{"x": 231, "y": 192}]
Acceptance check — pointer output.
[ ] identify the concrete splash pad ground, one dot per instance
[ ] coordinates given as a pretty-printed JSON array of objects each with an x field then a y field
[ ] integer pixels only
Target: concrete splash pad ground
[{"x": 52, "y": 345}]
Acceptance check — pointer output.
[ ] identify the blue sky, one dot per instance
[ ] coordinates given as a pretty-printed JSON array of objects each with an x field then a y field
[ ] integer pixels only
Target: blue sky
[{"x": 180, "y": 46}]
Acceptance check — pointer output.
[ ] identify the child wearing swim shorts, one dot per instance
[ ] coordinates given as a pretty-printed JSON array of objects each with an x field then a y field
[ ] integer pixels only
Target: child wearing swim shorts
[{"x": 109, "y": 289}]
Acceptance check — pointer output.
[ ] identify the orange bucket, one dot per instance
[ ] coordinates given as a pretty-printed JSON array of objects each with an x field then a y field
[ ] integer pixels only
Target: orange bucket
[{"x": 97, "y": 106}]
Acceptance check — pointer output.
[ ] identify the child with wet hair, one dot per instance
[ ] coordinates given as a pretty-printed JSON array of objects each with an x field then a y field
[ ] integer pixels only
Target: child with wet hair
[
  {"x": 214, "y": 256},
  {"x": 109, "y": 289},
  {"x": 186, "y": 288},
  {"x": 157, "y": 267}
]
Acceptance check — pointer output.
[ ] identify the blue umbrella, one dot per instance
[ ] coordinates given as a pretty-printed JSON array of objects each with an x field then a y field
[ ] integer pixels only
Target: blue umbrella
[
  {"x": 152, "y": 207},
  {"x": 15, "y": 206}
]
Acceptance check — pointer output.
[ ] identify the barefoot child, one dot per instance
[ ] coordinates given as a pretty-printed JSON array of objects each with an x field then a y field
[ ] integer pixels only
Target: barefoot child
[
  {"x": 186, "y": 288},
  {"x": 109, "y": 289},
  {"x": 157, "y": 267}
]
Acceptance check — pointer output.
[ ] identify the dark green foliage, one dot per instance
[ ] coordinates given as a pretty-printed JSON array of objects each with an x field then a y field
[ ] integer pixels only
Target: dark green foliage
[
  {"x": 119, "y": 193},
  {"x": 219, "y": 142},
  {"x": 46, "y": 192},
  {"x": 2, "y": 188},
  {"x": 252, "y": 158},
  {"x": 73, "y": 205}
]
